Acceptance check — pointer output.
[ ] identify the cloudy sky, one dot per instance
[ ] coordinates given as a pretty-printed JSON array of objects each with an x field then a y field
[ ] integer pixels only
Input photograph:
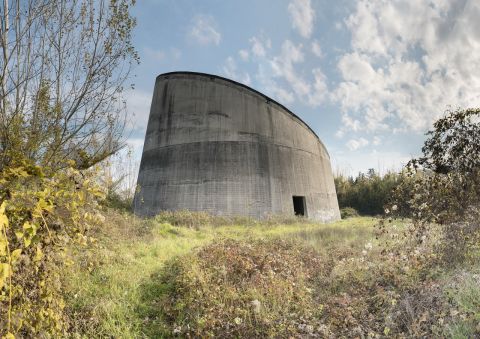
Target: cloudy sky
[{"x": 369, "y": 76}]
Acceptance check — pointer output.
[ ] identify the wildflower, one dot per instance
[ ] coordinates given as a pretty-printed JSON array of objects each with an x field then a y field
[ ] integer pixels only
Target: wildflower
[
  {"x": 368, "y": 246},
  {"x": 237, "y": 320}
]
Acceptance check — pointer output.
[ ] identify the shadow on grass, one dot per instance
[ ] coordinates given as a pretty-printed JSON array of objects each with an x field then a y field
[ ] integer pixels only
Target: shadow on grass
[{"x": 150, "y": 310}]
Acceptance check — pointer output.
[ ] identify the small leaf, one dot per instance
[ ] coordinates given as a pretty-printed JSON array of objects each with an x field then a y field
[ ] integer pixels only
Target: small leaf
[
  {"x": 3, "y": 216},
  {"x": 26, "y": 225},
  {"x": 38, "y": 254},
  {"x": 16, "y": 254},
  {"x": 4, "y": 271},
  {"x": 3, "y": 246}
]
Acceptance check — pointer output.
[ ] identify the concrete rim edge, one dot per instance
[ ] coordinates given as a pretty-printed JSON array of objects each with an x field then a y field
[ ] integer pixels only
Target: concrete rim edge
[{"x": 238, "y": 84}]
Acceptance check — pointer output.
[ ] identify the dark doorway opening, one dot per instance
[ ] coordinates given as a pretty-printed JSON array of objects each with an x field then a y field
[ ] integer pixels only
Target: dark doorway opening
[{"x": 299, "y": 205}]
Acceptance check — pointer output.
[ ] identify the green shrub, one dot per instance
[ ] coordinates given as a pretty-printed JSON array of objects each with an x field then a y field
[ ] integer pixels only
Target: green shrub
[
  {"x": 119, "y": 202},
  {"x": 444, "y": 187},
  {"x": 348, "y": 212},
  {"x": 367, "y": 193}
]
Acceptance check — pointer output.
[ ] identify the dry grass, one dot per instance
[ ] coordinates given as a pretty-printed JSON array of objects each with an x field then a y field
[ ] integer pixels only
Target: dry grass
[{"x": 151, "y": 279}]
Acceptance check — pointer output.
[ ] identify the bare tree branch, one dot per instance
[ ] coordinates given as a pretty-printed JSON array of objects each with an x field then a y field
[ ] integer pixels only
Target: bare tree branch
[{"x": 62, "y": 69}]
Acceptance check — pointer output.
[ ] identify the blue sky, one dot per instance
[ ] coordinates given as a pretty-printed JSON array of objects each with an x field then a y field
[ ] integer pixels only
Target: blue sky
[{"x": 369, "y": 76}]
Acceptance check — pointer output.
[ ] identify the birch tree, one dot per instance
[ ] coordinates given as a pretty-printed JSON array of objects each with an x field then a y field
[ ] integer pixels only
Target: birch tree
[{"x": 64, "y": 65}]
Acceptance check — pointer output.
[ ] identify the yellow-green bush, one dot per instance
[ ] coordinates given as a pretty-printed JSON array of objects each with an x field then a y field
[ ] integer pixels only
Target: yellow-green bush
[{"x": 42, "y": 217}]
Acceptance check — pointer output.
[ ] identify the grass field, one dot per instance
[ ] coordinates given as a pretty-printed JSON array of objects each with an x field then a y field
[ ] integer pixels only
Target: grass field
[
  {"x": 107, "y": 283},
  {"x": 112, "y": 292}
]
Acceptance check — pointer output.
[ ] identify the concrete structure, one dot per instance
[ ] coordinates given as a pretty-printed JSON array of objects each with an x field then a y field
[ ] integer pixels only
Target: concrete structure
[{"x": 215, "y": 145}]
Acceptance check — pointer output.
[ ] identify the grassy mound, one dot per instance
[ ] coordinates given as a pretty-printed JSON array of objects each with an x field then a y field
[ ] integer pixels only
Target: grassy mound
[{"x": 236, "y": 288}]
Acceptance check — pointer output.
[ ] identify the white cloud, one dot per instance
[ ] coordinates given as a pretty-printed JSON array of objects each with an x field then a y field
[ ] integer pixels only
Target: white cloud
[
  {"x": 320, "y": 88},
  {"x": 231, "y": 71},
  {"x": 409, "y": 61},
  {"x": 157, "y": 55},
  {"x": 280, "y": 78},
  {"x": 204, "y": 31},
  {"x": 354, "y": 144},
  {"x": 162, "y": 55},
  {"x": 303, "y": 16},
  {"x": 348, "y": 124},
  {"x": 244, "y": 54},
  {"x": 138, "y": 108},
  {"x": 376, "y": 141},
  {"x": 260, "y": 46},
  {"x": 283, "y": 95},
  {"x": 316, "y": 49},
  {"x": 283, "y": 66},
  {"x": 272, "y": 88}
]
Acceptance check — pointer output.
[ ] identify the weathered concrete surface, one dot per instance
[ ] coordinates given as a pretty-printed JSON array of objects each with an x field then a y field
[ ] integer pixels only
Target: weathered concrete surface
[{"x": 218, "y": 146}]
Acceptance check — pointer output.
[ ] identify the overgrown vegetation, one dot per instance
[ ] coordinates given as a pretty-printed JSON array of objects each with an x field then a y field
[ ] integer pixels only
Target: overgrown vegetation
[
  {"x": 119, "y": 287},
  {"x": 366, "y": 193},
  {"x": 444, "y": 187},
  {"x": 252, "y": 288},
  {"x": 42, "y": 217},
  {"x": 63, "y": 69},
  {"x": 148, "y": 278}
]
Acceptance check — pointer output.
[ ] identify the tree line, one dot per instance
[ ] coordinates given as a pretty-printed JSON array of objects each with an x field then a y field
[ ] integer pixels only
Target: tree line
[{"x": 367, "y": 193}]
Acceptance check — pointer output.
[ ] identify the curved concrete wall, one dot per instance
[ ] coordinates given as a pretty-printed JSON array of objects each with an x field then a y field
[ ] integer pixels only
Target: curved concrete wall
[{"x": 215, "y": 145}]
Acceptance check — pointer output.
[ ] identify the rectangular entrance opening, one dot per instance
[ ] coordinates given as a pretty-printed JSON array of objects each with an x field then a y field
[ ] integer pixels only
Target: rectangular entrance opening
[{"x": 299, "y": 206}]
